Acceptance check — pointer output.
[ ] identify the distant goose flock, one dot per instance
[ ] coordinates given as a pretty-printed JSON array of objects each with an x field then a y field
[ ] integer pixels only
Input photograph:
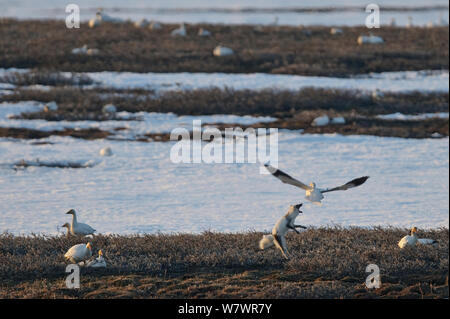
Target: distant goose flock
[{"x": 313, "y": 193}]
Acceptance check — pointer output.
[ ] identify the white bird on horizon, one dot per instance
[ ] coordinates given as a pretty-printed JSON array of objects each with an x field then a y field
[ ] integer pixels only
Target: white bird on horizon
[
  {"x": 79, "y": 252},
  {"x": 284, "y": 224},
  {"x": 313, "y": 193},
  {"x": 77, "y": 228}
]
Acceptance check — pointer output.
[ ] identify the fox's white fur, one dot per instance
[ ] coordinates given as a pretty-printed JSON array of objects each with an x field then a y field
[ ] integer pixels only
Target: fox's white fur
[{"x": 280, "y": 229}]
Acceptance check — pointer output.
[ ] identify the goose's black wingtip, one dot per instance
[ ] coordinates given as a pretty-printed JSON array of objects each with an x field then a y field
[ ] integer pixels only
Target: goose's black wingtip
[{"x": 360, "y": 180}]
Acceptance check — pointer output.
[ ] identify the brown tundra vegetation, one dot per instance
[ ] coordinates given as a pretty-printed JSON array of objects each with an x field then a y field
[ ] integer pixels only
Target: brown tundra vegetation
[
  {"x": 324, "y": 263},
  {"x": 270, "y": 49},
  {"x": 293, "y": 109}
]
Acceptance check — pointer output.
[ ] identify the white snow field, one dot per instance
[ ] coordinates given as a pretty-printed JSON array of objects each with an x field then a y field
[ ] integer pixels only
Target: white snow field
[
  {"x": 423, "y": 81},
  {"x": 143, "y": 122},
  {"x": 204, "y": 11},
  {"x": 404, "y": 81},
  {"x": 139, "y": 190}
]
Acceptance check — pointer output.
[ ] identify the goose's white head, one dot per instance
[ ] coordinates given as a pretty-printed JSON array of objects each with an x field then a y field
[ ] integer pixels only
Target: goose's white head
[
  {"x": 71, "y": 212},
  {"x": 413, "y": 231}
]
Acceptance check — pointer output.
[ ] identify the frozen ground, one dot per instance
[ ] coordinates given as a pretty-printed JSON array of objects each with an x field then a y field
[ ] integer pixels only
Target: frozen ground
[
  {"x": 144, "y": 122},
  {"x": 407, "y": 117},
  {"x": 203, "y": 11},
  {"x": 423, "y": 81},
  {"x": 139, "y": 189}
]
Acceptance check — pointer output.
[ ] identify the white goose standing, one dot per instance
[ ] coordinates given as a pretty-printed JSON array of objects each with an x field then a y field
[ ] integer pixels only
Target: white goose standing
[
  {"x": 313, "y": 193},
  {"x": 77, "y": 228},
  {"x": 280, "y": 229}
]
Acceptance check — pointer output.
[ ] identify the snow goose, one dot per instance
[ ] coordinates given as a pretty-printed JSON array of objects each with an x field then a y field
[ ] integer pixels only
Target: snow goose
[
  {"x": 335, "y": 31},
  {"x": 106, "y": 151},
  {"x": 313, "y": 193},
  {"x": 77, "y": 228},
  {"x": 155, "y": 25},
  {"x": 321, "y": 121},
  {"x": 79, "y": 252},
  {"x": 427, "y": 241},
  {"x": 94, "y": 22},
  {"x": 409, "y": 240},
  {"x": 181, "y": 31},
  {"x": 98, "y": 262},
  {"x": 109, "y": 109},
  {"x": 204, "y": 33},
  {"x": 51, "y": 106},
  {"x": 371, "y": 39},
  {"x": 106, "y": 18},
  {"x": 410, "y": 22},
  {"x": 67, "y": 225},
  {"x": 82, "y": 50},
  {"x": 222, "y": 51},
  {"x": 280, "y": 229},
  {"x": 143, "y": 23}
]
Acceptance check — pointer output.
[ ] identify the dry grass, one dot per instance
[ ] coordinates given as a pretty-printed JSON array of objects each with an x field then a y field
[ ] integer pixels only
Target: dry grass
[
  {"x": 325, "y": 263},
  {"x": 288, "y": 50},
  {"x": 45, "y": 78},
  {"x": 86, "y": 104}
]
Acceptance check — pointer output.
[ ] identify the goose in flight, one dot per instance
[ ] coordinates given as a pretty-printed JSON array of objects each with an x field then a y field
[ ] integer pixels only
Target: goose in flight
[
  {"x": 313, "y": 193},
  {"x": 277, "y": 238},
  {"x": 77, "y": 228}
]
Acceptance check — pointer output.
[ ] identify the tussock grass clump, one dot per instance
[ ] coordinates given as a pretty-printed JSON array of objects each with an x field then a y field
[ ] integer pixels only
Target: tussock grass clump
[{"x": 325, "y": 262}]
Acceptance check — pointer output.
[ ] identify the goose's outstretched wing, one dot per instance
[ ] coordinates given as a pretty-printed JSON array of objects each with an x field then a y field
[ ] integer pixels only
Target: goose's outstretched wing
[
  {"x": 285, "y": 178},
  {"x": 353, "y": 183}
]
